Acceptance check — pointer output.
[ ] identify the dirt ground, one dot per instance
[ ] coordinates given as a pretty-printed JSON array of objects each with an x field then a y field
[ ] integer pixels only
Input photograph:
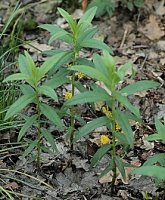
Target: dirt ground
[{"x": 137, "y": 37}]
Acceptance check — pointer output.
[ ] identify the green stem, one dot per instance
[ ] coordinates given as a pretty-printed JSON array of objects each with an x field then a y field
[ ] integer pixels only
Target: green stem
[
  {"x": 38, "y": 134},
  {"x": 72, "y": 110},
  {"x": 113, "y": 147}
]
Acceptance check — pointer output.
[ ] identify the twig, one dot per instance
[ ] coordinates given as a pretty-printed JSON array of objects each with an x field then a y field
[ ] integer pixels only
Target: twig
[{"x": 124, "y": 38}]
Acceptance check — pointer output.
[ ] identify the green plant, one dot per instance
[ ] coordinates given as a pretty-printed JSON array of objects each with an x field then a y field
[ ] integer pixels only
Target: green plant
[
  {"x": 146, "y": 196},
  {"x": 104, "y": 7},
  {"x": 131, "y": 4},
  {"x": 155, "y": 165},
  {"x": 34, "y": 90},
  {"x": 109, "y": 6},
  {"x": 8, "y": 92},
  {"x": 80, "y": 35},
  {"x": 116, "y": 100}
]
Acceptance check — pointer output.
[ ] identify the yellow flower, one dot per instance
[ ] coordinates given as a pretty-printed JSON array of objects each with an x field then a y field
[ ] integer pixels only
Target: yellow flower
[
  {"x": 117, "y": 127},
  {"x": 68, "y": 95},
  {"x": 106, "y": 112},
  {"x": 104, "y": 139},
  {"x": 80, "y": 75}
]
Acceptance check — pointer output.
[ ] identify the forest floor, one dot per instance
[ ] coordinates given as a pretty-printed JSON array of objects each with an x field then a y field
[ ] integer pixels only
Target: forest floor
[{"x": 137, "y": 37}]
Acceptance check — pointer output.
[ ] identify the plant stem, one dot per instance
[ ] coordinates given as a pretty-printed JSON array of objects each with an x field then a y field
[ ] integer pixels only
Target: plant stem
[
  {"x": 38, "y": 134},
  {"x": 72, "y": 110},
  {"x": 113, "y": 146}
]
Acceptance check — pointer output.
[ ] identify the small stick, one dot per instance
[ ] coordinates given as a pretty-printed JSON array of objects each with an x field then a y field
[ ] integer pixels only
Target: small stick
[{"x": 124, "y": 37}]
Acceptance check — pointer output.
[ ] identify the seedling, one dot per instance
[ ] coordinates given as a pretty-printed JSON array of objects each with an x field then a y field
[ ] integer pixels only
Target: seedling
[
  {"x": 122, "y": 111},
  {"x": 34, "y": 90},
  {"x": 80, "y": 35}
]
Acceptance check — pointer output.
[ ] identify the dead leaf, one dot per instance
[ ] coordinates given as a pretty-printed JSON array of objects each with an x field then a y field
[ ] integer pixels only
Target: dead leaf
[
  {"x": 147, "y": 145},
  {"x": 35, "y": 47},
  {"x": 2, "y": 164},
  {"x": 13, "y": 185},
  {"x": 160, "y": 8},
  {"x": 161, "y": 45},
  {"x": 107, "y": 178},
  {"x": 152, "y": 30}
]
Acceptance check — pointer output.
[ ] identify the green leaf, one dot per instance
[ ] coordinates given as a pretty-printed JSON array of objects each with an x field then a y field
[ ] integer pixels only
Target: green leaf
[
  {"x": 90, "y": 126},
  {"x": 67, "y": 57},
  {"x": 23, "y": 65},
  {"x": 58, "y": 79},
  {"x": 123, "y": 70},
  {"x": 48, "y": 91},
  {"x": 27, "y": 89},
  {"x": 155, "y": 159},
  {"x": 69, "y": 19},
  {"x": 30, "y": 148},
  {"x": 122, "y": 138},
  {"x": 56, "y": 32},
  {"x": 104, "y": 6},
  {"x": 130, "y": 5},
  {"x": 99, "y": 65},
  {"x": 160, "y": 127},
  {"x": 154, "y": 137},
  {"x": 31, "y": 65},
  {"x": 120, "y": 166},
  {"x": 86, "y": 34},
  {"x": 91, "y": 72},
  {"x": 154, "y": 171},
  {"x": 21, "y": 103},
  {"x": 123, "y": 99},
  {"x": 16, "y": 77},
  {"x": 139, "y": 3},
  {"x": 139, "y": 86},
  {"x": 29, "y": 122},
  {"x": 53, "y": 29},
  {"x": 161, "y": 132},
  {"x": 51, "y": 62},
  {"x": 88, "y": 16},
  {"x": 87, "y": 97},
  {"x": 107, "y": 169},
  {"x": 124, "y": 124},
  {"x": 51, "y": 114},
  {"x": 58, "y": 35},
  {"x": 100, "y": 153},
  {"x": 48, "y": 136},
  {"x": 98, "y": 44}
]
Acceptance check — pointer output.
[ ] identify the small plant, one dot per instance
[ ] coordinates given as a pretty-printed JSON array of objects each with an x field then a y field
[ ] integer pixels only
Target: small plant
[
  {"x": 109, "y": 6},
  {"x": 104, "y": 7},
  {"x": 122, "y": 111},
  {"x": 80, "y": 35},
  {"x": 34, "y": 90},
  {"x": 154, "y": 166}
]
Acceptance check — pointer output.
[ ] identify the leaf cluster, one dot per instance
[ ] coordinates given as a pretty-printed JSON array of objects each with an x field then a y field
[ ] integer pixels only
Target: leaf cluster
[{"x": 109, "y": 6}]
